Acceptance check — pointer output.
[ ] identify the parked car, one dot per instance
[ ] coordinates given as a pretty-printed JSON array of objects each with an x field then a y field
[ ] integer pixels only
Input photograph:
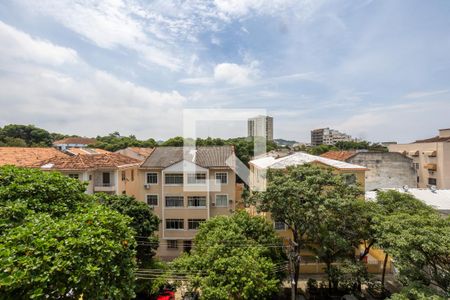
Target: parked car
[{"x": 164, "y": 295}]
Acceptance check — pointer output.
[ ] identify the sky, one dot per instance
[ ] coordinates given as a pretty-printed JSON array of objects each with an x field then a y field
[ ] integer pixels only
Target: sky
[{"x": 378, "y": 70}]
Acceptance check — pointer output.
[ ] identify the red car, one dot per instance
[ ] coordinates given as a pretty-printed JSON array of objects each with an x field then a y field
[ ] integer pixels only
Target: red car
[{"x": 166, "y": 295}]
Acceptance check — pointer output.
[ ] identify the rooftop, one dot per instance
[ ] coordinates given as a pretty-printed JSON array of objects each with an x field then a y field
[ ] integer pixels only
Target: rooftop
[
  {"x": 433, "y": 140},
  {"x": 27, "y": 157},
  {"x": 75, "y": 140},
  {"x": 339, "y": 155},
  {"x": 206, "y": 157},
  {"x": 300, "y": 158},
  {"x": 439, "y": 199},
  {"x": 86, "y": 151},
  {"x": 87, "y": 162},
  {"x": 142, "y": 151}
]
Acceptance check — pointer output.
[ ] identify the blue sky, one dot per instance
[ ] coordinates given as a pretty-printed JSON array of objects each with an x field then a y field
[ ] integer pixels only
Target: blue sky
[{"x": 378, "y": 70}]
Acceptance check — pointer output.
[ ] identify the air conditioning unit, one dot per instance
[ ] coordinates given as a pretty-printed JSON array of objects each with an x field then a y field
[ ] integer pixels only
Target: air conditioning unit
[
  {"x": 230, "y": 201},
  {"x": 147, "y": 186},
  {"x": 213, "y": 204}
]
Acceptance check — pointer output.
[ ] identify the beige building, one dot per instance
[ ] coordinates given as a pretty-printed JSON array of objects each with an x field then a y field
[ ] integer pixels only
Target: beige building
[
  {"x": 110, "y": 173},
  {"x": 327, "y": 136},
  {"x": 431, "y": 158},
  {"x": 260, "y": 126},
  {"x": 186, "y": 186}
]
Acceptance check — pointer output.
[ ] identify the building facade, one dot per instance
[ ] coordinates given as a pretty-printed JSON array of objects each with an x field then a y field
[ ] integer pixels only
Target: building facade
[
  {"x": 327, "y": 136},
  {"x": 186, "y": 186},
  {"x": 109, "y": 173},
  {"x": 260, "y": 126},
  {"x": 431, "y": 159},
  {"x": 384, "y": 169}
]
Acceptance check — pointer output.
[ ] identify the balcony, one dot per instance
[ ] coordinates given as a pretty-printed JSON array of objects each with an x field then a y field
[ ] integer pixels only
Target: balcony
[
  {"x": 430, "y": 167},
  {"x": 104, "y": 188}
]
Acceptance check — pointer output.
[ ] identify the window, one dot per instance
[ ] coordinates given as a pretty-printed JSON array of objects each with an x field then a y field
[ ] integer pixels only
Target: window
[
  {"x": 350, "y": 179},
  {"x": 132, "y": 175},
  {"x": 124, "y": 176},
  {"x": 152, "y": 200},
  {"x": 106, "y": 179},
  {"x": 222, "y": 178},
  {"x": 174, "y": 223},
  {"x": 279, "y": 225},
  {"x": 416, "y": 166},
  {"x": 74, "y": 176},
  {"x": 197, "y": 201},
  {"x": 187, "y": 246},
  {"x": 174, "y": 201},
  {"x": 172, "y": 244},
  {"x": 194, "y": 224},
  {"x": 432, "y": 181},
  {"x": 152, "y": 178},
  {"x": 221, "y": 200},
  {"x": 196, "y": 178},
  {"x": 174, "y": 178}
]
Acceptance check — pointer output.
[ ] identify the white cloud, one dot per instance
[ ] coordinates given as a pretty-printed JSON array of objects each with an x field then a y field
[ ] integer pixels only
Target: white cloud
[
  {"x": 86, "y": 101},
  {"x": 234, "y": 74},
  {"x": 19, "y": 45},
  {"x": 423, "y": 94}
]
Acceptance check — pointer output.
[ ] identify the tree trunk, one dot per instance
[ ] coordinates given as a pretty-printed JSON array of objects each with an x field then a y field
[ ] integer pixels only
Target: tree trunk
[{"x": 384, "y": 269}]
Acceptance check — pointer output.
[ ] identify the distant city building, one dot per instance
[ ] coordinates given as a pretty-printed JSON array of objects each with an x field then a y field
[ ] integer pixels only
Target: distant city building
[
  {"x": 327, "y": 136},
  {"x": 261, "y": 126},
  {"x": 431, "y": 158}
]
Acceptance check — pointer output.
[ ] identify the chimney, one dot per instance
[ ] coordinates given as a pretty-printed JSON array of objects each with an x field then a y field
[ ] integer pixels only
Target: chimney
[{"x": 443, "y": 133}]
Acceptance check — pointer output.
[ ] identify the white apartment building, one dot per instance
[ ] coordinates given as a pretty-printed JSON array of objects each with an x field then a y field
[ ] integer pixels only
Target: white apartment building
[
  {"x": 261, "y": 126},
  {"x": 327, "y": 136}
]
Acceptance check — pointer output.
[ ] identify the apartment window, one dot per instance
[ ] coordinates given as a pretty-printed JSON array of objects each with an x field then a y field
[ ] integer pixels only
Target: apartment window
[
  {"x": 152, "y": 178},
  {"x": 132, "y": 175},
  {"x": 174, "y": 178},
  {"x": 416, "y": 166},
  {"x": 124, "y": 176},
  {"x": 187, "y": 246},
  {"x": 197, "y": 201},
  {"x": 279, "y": 225},
  {"x": 194, "y": 224},
  {"x": 350, "y": 179},
  {"x": 432, "y": 181},
  {"x": 106, "y": 179},
  {"x": 152, "y": 200},
  {"x": 74, "y": 176},
  {"x": 172, "y": 244},
  {"x": 174, "y": 201},
  {"x": 222, "y": 178},
  {"x": 196, "y": 178},
  {"x": 221, "y": 200},
  {"x": 174, "y": 224}
]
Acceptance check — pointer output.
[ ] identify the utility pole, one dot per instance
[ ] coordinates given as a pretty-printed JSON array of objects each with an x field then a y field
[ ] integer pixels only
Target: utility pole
[{"x": 294, "y": 261}]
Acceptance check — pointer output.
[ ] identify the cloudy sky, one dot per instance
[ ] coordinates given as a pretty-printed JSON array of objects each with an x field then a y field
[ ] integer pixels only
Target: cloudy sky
[{"x": 379, "y": 70}]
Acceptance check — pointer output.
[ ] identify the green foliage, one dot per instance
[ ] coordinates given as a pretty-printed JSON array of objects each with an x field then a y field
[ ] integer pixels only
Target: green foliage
[
  {"x": 114, "y": 141},
  {"x": 418, "y": 239},
  {"x": 57, "y": 242},
  {"x": 87, "y": 253},
  {"x": 416, "y": 291},
  {"x": 24, "y": 135},
  {"x": 234, "y": 258},
  {"x": 344, "y": 146}
]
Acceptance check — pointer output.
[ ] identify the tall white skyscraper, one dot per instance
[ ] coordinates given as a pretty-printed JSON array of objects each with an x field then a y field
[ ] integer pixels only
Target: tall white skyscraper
[{"x": 261, "y": 126}]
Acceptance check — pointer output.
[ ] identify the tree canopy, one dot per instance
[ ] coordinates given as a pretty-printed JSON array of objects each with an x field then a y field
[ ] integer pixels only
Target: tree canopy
[
  {"x": 234, "y": 257},
  {"x": 58, "y": 242}
]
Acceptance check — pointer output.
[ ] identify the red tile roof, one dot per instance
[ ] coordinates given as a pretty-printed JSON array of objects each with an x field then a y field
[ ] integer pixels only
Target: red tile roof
[
  {"x": 27, "y": 157},
  {"x": 338, "y": 155},
  {"x": 87, "y": 162},
  {"x": 86, "y": 151},
  {"x": 75, "y": 140},
  {"x": 142, "y": 151}
]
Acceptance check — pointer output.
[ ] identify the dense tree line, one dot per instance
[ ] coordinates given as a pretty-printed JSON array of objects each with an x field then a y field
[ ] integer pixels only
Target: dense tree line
[{"x": 342, "y": 146}]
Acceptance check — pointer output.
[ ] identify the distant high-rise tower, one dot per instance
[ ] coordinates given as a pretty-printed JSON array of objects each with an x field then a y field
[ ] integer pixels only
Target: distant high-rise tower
[{"x": 261, "y": 126}]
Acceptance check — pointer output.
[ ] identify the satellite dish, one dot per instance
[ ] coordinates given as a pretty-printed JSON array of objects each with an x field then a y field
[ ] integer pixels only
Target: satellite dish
[{"x": 405, "y": 188}]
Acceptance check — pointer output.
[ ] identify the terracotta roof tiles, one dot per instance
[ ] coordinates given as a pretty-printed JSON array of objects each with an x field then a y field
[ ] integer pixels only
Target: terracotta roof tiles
[
  {"x": 27, "y": 157},
  {"x": 338, "y": 155},
  {"x": 86, "y": 162}
]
